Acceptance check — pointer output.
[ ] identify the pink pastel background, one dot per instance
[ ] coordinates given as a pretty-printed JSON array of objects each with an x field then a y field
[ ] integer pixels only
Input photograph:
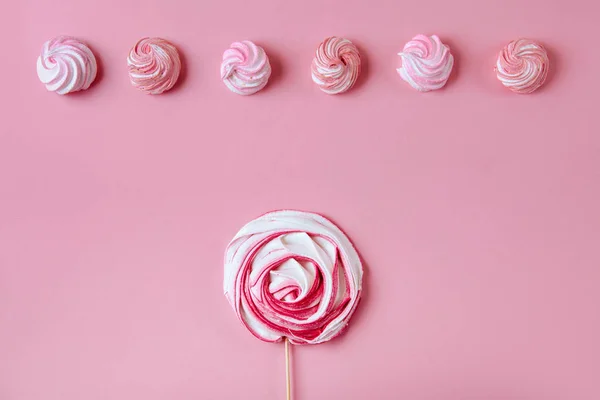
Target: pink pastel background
[{"x": 476, "y": 210}]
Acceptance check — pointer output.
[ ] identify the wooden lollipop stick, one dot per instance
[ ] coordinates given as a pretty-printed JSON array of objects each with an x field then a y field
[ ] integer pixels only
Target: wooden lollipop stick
[{"x": 288, "y": 386}]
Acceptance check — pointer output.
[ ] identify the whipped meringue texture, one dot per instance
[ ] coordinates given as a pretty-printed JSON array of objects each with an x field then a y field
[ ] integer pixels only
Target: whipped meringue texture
[
  {"x": 154, "y": 65},
  {"x": 245, "y": 69},
  {"x": 293, "y": 274},
  {"x": 522, "y": 66},
  {"x": 426, "y": 63},
  {"x": 66, "y": 65},
  {"x": 336, "y": 65}
]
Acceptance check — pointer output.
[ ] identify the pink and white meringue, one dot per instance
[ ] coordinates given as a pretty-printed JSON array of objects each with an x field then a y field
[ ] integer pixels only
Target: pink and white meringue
[
  {"x": 426, "y": 63},
  {"x": 66, "y": 65},
  {"x": 293, "y": 274},
  {"x": 522, "y": 66},
  {"x": 336, "y": 65},
  {"x": 154, "y": 65},
  {"x": 245, "y": 68}
]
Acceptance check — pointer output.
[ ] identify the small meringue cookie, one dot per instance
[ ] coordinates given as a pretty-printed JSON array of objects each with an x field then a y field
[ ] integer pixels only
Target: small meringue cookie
[
  {"x": 426, "y": 63},
  {"x": 522, "y": 66},
  {"x": 336, "y": 65},
  {"x": 245, "y": 69},
  {"x": 154, "y": 65},
  {"x": 66, "y": 65}
]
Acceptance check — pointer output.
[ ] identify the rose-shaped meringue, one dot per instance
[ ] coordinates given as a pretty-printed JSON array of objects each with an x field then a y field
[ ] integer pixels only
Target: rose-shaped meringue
[
  {"x": 245, "y": 68},
  {"x": 66, "y": 65},
  {"x": 522, "y": 66},
  {"x": 426, "y": 63},
  {"x": 293, "y": 274},
  {"x": 336, "y": 65},
  {"x": 154, "y": 65}
]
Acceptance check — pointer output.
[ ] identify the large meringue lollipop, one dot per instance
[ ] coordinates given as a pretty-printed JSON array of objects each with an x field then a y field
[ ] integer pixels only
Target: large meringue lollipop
[{"x": 292, "y": 276}]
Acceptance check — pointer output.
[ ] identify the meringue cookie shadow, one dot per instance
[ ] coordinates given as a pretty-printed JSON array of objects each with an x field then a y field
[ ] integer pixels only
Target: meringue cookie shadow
[
  {"x": 364, "y": 65},
  {"x": 554, "y": 69},
  {"x": 277, "y": 69},
  {"x": 183, "y": 73},
  {"x": 456, "y": 67}
]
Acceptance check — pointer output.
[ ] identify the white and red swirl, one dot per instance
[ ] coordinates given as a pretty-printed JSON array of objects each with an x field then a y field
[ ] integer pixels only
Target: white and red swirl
[
  {"x": 522, "y": 66},
  {"x": 245, "y": 68},
  {"x": 292, "y": 274},
  {"x": 66, "y": 65},
  {"x": 154, "y": 65},
  {"x": 426, "y": 63},
  {"x": 336, "y": 65}
]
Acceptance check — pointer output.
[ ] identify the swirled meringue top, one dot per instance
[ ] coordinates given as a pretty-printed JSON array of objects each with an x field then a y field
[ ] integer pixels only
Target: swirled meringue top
[
  {"x": 522, "y": 66},
  {"x": 293, "y": 274},
  {"x": 336, "y": 65},
  {"x": 426, "y": 63},
  {"x": 245, "y": 68},
  {"x": 66, "y": 65},
  {"x": 154, "y": 65}
]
